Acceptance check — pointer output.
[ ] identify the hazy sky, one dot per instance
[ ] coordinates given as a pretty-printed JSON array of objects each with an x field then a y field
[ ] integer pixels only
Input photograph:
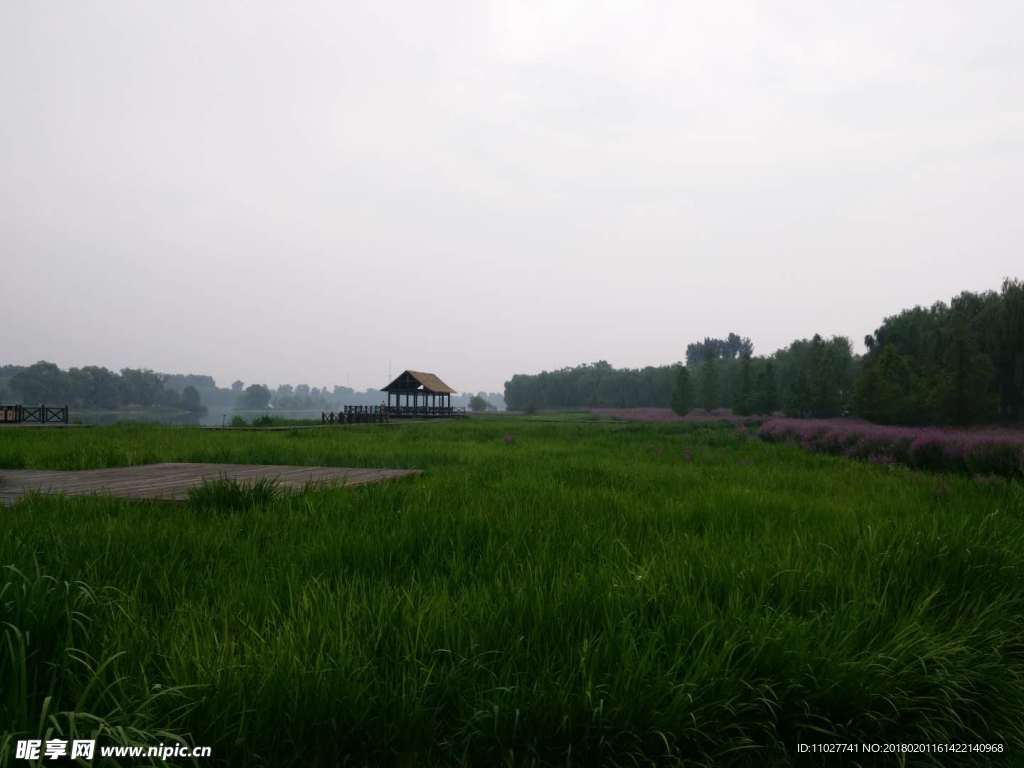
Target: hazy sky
[{"x": 305, "y": 191}]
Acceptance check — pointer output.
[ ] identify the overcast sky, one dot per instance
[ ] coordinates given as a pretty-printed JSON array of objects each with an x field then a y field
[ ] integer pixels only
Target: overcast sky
[{"x": 303, "y": 192}]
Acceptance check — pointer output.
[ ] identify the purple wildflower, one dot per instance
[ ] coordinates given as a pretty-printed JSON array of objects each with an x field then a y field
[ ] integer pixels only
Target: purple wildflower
[{"x": 981, "y": 451}]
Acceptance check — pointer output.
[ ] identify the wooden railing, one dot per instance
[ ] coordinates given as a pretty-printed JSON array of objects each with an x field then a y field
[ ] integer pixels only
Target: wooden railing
[
  {"x": 356, "y": 414},
  {"x": 363, "y": 414},
  {"x": 424, "y": 411},
  {"x": 33, "y": 414}
]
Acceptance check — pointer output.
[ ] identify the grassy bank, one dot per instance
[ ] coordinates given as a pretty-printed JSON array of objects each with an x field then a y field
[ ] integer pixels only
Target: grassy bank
[{"x": 565, "y": 593}]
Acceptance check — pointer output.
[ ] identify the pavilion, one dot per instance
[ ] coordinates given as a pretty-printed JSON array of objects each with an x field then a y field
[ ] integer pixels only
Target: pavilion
[{"x": 425, "y": 395}]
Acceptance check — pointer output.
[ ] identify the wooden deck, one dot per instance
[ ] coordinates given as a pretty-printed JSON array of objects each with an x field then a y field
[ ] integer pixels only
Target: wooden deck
[{"x": 172, "y": 482}]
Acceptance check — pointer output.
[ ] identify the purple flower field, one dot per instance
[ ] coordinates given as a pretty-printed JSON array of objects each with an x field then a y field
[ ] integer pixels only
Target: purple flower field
[{"x": 984, "y": 452}]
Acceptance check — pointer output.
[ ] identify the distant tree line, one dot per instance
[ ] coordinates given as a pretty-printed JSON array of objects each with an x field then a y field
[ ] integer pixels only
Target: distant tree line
[
  {"x": 596, "y": 384},
  {"x": 956, "y": 363},
  {"x": 811, "y": 377},
  {"x": 94, "y": 387}
]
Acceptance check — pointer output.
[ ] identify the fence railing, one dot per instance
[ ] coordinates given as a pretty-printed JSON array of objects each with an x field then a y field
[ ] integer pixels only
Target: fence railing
[
  {"x": 355, "y": 414},
  {"x": 33, "y": 414},
  {"x": 424, "y": 411},
  {"x": 361, "y": 414}
]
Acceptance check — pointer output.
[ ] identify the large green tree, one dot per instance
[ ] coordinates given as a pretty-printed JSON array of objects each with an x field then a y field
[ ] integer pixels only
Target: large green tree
[
  {"x": 966, "y": 394},
  {"x": 744, "y": 401},
  {"x": 956, "y": 363},
  {"x": 889, "y": 392},
  {"x": 42, "y": 383},
  {"x": 478, "y": 404},
  {"x": 190, "y": 400},
  {"x": 94, "y": 387},
  {"x": 766, "y": 393},
  {"x": 1002, "y": 334},
  {"x": 141, "y": 387},
  {"x": 682, "y": 392},
  {"x": 817, "y": 377},
  {"x": 256, "y": 397},
  {"x": 709, "y": 383}
]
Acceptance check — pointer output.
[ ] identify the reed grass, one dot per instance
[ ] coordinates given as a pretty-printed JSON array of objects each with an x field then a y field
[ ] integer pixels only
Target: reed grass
[
  {"x": 579, "y": 594},
  {"x": 230, "y": 495}
]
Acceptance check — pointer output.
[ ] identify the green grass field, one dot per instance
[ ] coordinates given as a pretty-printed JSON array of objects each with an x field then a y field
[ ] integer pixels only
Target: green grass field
[{"x": 586, "y": 593}]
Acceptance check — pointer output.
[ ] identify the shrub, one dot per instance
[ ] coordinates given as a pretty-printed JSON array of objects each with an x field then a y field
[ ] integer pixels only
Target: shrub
[
  {"x": 930, "y": 451},
  {"x": 989, "y": 458}
]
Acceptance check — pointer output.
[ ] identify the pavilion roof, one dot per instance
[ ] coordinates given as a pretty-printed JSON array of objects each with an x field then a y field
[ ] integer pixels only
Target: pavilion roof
[{"x": 429, "y": 381}]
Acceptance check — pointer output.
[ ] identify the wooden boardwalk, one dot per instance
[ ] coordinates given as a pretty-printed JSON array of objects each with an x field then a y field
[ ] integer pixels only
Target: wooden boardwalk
[{"x": 172, "y": 482}]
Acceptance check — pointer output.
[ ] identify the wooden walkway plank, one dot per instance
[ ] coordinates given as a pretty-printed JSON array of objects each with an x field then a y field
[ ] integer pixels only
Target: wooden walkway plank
[{"x": 174, "y": 480}]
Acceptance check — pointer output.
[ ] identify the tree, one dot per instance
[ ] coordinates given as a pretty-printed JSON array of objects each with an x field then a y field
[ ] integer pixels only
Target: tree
[
  {"x": 594, "y": 384},
  {"x": 766, "y": 395},
  {"x": 190, "y": 400},
  {"x": 745, "y": 397},
  {"x": 709, "y": 383},
  {"x": 1002, "y": 328},
  {"x": 888, "y": 391},
  {"x": 237, "y": 386},
  {"x": 169, "y": 398},
  {"x": 950, "y": 363},
  {"x": 816, "y": 376},
  {"x": 682, "y": 392},
  {"x": 41, "y": 383},
  {"x": 256, "y": 397},
  {"x": 967, "y": 392},
  {"x": 729, "y": 348},
  {"x": 94, "y": 387},
  {"x": 477, "y": 404},
  {"x": 140, "y": 386}
]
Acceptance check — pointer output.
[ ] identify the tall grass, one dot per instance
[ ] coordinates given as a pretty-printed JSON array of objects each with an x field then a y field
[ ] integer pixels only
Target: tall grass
[
  {"x": 54, "y": 687},
  {"x": 582, "y": 593},
  {"x": 230, "y": 495}
]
